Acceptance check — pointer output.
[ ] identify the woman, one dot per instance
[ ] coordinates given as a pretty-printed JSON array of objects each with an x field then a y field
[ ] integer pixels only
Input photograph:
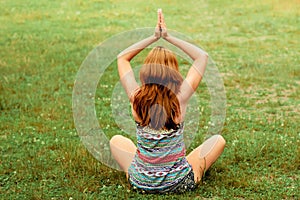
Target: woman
[{"x": 158, "y": 164}]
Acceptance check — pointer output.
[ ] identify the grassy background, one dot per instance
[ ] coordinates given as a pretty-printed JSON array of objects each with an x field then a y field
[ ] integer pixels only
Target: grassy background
[{"x": 254, "y": 44}]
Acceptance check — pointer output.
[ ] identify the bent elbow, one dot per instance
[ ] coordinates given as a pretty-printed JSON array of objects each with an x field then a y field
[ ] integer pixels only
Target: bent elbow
[
  {"x": 120, "y": 57},
  {"x": 123, "y": 58},
  {"x": 204, "y": 56}
]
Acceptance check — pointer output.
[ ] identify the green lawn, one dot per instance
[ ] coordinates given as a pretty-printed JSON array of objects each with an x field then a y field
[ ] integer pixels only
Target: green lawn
[{"x": 255, "y": 45}]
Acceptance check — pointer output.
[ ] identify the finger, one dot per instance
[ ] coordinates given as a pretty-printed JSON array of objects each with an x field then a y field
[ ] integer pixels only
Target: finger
[
  {"x": 162, "y": 18},
  {"x": 163, "y": 25},
  {"x": 158, "y": 16},
  {"x": 162, "y": 21}
]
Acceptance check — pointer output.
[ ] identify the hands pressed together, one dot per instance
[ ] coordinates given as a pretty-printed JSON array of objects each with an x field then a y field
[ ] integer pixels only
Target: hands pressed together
[
  {"x": 199, "y": 57},
  {"x": 161, "y": 28}
]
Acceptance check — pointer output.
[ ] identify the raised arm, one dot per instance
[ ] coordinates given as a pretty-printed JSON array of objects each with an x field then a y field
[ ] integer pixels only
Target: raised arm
[
  {"x": 125, "y": 71},
  {"x": 197, "y": 69}
]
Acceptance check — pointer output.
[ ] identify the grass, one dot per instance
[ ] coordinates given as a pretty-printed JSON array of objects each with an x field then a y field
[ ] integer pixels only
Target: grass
[{"x": 255, "y": 46}]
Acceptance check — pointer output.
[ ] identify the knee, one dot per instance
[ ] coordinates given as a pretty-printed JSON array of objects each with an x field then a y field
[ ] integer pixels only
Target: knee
[
  {"x": 220, "y": 139},
  {"x": 115, "y": 140}
]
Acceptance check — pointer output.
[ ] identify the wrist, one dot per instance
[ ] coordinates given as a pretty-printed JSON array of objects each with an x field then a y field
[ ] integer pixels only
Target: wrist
[
  {"x": 167, "y": 37},
  {"x": 155, "y": 38}
]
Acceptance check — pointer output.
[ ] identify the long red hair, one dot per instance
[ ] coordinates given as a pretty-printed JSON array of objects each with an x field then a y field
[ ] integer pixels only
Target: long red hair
[{"x": 155, "y": 103}]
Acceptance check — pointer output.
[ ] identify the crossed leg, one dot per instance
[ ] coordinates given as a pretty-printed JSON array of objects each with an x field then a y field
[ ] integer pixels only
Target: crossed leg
[
  {"x": 205, "y": 155},
  {"x": 123, "y": 151},
  {"x": 201, "y": 158}
]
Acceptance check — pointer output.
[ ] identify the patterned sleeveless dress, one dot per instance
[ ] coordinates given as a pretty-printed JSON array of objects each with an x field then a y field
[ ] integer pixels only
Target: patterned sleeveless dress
[{"x": 160, "y": 165}]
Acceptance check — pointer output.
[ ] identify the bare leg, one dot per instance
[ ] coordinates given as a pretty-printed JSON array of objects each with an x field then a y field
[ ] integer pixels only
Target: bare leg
[
  {"x": 123, "y": 151},
  {"x": 205, "y": 155}
]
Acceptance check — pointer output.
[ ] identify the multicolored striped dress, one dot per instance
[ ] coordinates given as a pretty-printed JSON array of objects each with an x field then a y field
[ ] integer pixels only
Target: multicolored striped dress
[{"x": 160, "y": 161}]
